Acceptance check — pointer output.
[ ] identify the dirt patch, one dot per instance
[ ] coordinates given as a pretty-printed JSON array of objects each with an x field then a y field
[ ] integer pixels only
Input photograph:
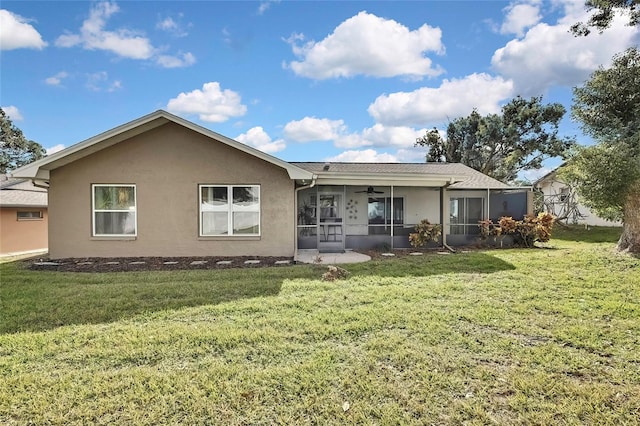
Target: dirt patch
[{"x": 128, "y": 264}]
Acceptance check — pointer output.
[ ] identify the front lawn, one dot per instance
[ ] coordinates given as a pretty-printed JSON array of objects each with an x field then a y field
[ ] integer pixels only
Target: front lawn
[{"x": 538, "y": 336}]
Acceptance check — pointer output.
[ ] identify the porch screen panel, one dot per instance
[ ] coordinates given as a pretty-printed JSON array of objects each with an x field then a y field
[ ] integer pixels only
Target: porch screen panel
[
  {"x": 456, "y": 215},
  {"x": 474, "y": 215}
]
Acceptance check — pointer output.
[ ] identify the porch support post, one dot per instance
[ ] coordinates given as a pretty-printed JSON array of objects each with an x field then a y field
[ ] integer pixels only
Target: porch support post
[
  {"x": 488, "y": 200},
  {"x": 442, "y": 214},
  {"x": 392, "y": 212}
]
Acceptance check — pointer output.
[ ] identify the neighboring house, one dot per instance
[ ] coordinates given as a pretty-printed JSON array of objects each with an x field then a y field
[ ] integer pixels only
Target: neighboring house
[
  {"x": 23, "y": 217},
  {"x": 163, "y": 186},
  {"x": 561, "y": 200}
]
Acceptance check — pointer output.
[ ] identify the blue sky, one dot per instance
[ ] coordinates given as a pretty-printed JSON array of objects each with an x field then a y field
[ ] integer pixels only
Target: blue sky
[{"x": 304, "y": 81}]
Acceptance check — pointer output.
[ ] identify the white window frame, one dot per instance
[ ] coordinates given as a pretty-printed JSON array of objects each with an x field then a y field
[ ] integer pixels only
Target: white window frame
[
  {"x": 26, "y": 215},
  {"x": 230, "y": 210},
  {"x": 129, "y": 210}
]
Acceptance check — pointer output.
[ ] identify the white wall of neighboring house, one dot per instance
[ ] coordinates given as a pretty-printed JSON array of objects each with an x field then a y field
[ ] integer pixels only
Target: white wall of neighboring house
[{"x": 554, "y": 189}]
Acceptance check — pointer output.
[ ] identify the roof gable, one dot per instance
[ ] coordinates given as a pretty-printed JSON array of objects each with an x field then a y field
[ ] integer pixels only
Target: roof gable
[{"x": 40, "y": 169}]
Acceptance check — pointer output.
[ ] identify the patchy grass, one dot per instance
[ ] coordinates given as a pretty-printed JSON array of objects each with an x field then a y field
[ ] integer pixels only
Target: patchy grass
[
  {"x": 539, "y": 336},
  {"x": 591, "y": 234}
]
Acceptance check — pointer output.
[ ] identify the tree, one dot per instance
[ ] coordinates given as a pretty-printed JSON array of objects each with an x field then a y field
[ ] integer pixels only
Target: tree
[
  {"x": 607, "y": 174},
  {"x": 605, "y": 10},
  {"x": 502, "y": 145},
  {"x": 15, "y": 149}
]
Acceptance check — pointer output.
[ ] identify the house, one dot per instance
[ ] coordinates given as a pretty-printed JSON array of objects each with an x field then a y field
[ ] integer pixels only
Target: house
[
  {"x": 23, "y": 217},
  {"x": 562, "y": 201},
  {"x": 164, "y": 186}
]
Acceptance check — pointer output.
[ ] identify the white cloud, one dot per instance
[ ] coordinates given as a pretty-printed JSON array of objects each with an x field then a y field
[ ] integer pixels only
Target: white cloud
[
  {"x": 364, "y": 156},
  {"x": 265, "y": 5},
  {"x": 411, "y": 155},
  {"x": 13, "y": 113},
  {"x": 520, "y": 17},
  {"x": 381, "y": 136},
  {"x": 123, "y": 42},
  {"x": 314, "y": 129},
  {"x": 100, "y": 82},
  {"x": 173, "y": 26},
  {"x": 55, "y": 149},
  {"x": 432, "y": 106},
  {"x": 179, "y": 61},
  {"x": 532, "y": 175},
  {"x": 17, "y": 33},
  {"x": 549, "y": 55},
  {"x": 258, "y": 138},
  {"x": 56, "y": 80},
  {"x": 369, "y": 45},
  {"x": 210, "y": 104}
]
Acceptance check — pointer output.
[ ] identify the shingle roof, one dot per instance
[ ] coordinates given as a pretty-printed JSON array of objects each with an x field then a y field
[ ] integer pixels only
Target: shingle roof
[
  {"x": 21, "y": 193},
  {"x": 474, "y": 179}
]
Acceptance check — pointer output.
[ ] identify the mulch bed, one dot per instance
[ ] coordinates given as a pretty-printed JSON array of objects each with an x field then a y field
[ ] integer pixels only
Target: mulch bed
[{"x": 128, "y": 264}]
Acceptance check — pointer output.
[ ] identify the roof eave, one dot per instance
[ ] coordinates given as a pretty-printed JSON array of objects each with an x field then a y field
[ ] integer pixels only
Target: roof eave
[{"x": 40, "y": 168}]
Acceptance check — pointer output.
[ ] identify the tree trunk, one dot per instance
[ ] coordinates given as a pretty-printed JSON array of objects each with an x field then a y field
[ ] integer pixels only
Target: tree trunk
[{"x": 630, "y": 238}]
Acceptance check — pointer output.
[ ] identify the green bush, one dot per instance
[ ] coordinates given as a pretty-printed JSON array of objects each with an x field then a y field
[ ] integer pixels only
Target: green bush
[{"x": 524, "y": 232}]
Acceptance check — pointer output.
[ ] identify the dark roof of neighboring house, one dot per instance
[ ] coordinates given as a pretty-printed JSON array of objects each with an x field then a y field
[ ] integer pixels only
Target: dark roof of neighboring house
[
  {"x": 473, "y": 178},
  {"x": 21, "y": 193}
]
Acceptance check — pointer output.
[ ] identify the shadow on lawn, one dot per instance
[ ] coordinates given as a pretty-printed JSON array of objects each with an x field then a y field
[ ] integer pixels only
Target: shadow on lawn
[{"x": 40, "y": 301}]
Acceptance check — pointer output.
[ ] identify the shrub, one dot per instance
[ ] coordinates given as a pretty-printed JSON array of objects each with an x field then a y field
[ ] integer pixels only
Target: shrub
[
  {"x": 425, "y": 232},
  {"x": 334, "y": 273},
  {"x": 524, "y": 232}
]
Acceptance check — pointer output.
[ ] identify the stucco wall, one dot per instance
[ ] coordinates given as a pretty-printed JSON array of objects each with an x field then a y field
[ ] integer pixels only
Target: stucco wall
[
  {"x": 22, "y": 235},
  {"x": 551, "y": 187},
  {"x": 166, "y": 165}
]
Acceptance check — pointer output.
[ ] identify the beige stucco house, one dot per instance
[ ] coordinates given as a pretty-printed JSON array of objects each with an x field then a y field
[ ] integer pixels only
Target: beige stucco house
[
  {"x": 23, "y": 217},
  {"x": 163, "y": 186}
]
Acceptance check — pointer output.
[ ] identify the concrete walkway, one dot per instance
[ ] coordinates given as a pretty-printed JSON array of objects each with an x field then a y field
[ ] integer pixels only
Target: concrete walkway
[{"x": 312, "y": 256}]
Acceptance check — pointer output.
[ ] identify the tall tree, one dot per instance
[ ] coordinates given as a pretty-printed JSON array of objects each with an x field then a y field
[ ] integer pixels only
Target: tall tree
[
  {"x": 607, "y": 175},
  {"x": 502, "y": 145},
  {"x": 15, "y": 149},
  {"x": 605, "y": 10}
]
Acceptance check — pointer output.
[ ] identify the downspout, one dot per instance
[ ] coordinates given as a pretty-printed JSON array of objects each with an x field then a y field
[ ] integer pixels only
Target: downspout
[{"x": 295, "y": 222}]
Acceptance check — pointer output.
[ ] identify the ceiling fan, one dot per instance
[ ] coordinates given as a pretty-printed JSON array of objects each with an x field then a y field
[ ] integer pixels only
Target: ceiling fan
[{"x": 371, "y": 191}]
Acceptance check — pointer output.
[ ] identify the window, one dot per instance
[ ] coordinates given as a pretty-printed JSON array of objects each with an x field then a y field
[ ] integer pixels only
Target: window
[
  {"x": 229, "y": 210},
  {"x": 379, "y": 211},
  {"x": 30, "y": 215},
  {"x": 114, "y": 210},
  {"x": 464, "y": 215}
]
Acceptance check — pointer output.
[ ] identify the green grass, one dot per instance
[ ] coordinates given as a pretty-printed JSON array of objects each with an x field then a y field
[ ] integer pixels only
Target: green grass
[{"x": 539, "y": 336}]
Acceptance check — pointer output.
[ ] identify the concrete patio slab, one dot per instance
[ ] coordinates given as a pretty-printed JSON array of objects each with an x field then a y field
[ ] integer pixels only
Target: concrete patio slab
[{"x": 313, "y": 256}]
